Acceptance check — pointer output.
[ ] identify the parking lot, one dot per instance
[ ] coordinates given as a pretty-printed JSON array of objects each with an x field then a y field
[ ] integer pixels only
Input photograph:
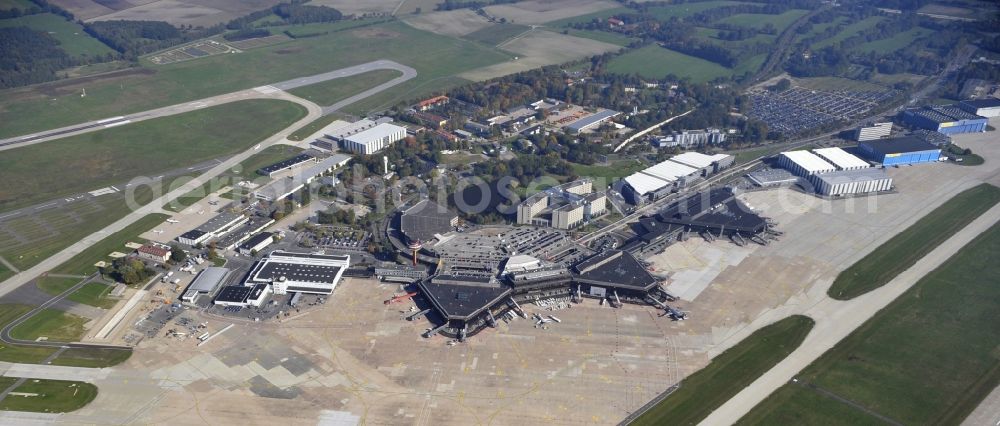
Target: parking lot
[{"x": 799, "y": 109}]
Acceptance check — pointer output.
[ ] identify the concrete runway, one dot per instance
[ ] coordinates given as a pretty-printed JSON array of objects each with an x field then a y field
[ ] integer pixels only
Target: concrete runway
[
  {"x": 263, "y": 92},
  {"x": 837, "y": 319}
]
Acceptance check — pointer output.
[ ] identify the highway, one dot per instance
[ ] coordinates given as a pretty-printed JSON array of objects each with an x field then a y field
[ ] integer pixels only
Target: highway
[{"x": 273, "y": 91}]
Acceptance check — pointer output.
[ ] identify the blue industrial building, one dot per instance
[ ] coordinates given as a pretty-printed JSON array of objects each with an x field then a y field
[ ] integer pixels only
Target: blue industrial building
[
  {"x": 900, "y": 151},
  {"x": 946, "y": 119}
]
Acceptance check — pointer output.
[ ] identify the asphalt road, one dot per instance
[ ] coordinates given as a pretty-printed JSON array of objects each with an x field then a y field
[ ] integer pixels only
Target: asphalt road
[
  {"x": 263, "y": 92},
  {"x": 836, "y": 319}
]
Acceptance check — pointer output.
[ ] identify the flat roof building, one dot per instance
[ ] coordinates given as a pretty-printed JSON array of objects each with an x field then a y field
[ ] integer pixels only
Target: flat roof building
[
  {"x": 374, "y": 139},
  {"x": 218, "y": 226},
  {"x": 841, "y": 159},
  {"x": 982, "y": 107},
  {"x": 804, "y": 163},
  {"x": 205, "y": 283},
  {"x": 257, "y": 243},
  {"x": 592, "y": 121},
  {"x": 299, "y": 272},
  {"x": 900, "y": 151},
  {"x": 947, "y": 119},
  {"x": 283, "y": 165},
  {"x": 857, "y": 181},
  {"x": 873, "y": 132}
]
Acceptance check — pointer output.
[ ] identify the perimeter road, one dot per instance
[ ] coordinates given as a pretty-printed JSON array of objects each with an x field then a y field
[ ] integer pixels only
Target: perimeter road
[
  {"x": 837, "y": 319},
  {"x": 263, "y": 92}
]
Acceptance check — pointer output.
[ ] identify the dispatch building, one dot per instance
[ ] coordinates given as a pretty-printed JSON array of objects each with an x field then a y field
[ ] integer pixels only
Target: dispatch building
[
  {"x": 679, "y": 171},
  {"x": 900, "y": 151},
  {"x": 947, "y": 119},
  {"x": 286, "y": 272}
]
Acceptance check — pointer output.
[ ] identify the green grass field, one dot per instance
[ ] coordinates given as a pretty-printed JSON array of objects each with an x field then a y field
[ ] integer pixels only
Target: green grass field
[
  {"x": 435, "y": 57},
  {"x": 684, "y": 10},
  {"x": 907, "y": 247},
  {"x": 92, "y": 357},
  {"x": 83, "y": 263},
  {"x": 53, "y": 396},
  {"x": 656, "y": 62},
  {"x": 728, "y": 373},
  {"x": 929, "y": 357},
  {"x": 754, "y": 20},
  {"x": 606, "y": 175},
  {"x": 712, "y": 35},
  {"x": 496, "y": 34},
  {"x": 848, "y": 31},
  {"x": 94, "y": 294},
  {"x": 55, "y": 229},
  {"x": 5, "y": 273},
  {"x": 329, "y": 92},
  {"x": 72, "y": 39},
  {"x": 86, "y": 162},
  {"x": 270, "y": 155},
  {"x": 57, "y": 326},
  {"x": 55, "y": 285},
  {"x": 837, "y": 83},
  {"x": 317, "y": 29},
  {"x": 15, "y": 353},
  {"x": 896, "y": 42}
]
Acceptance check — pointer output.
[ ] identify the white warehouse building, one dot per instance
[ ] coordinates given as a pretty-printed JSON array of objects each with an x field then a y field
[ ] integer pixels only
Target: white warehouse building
[
  {"x": 374, "y": 139},
  {"x": 843, "y": 160},
  {"x": 804, "y": 163}
]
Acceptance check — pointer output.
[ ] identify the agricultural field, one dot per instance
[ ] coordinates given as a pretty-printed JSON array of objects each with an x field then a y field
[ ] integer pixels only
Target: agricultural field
[
  {"x": 894, "y": 43},
  {"x": 909, "y": 246},
  {"x": 86, "y": 162},
  {"x": 848, "y": 31},
  {"x": 728, "y": 373},
  {"x": 927, "y": 358},
  {"x": 331, "y": 91},
  {"x": 15, "y": 4},
  {"x": 602, "y": 36},
  {"x": 177, "y": 12},
  {"x": 83, "y": 263},
  {"x": 496, "y": 34},
  {"x": 49, "y": 396},
  {"x": 537, "y": 48},
  {"x": 455, "y": 23},
  {"x": 435, "y": 57},
  {"x": 554, "y": 13},
  {"x": 754, "y": 20},
  {"x": 54, "y": 325},
  {"x": 656, "y": 62},
  {"x": 355, "y": 7},
  {"x": 684, "y": 10},
  {"x": 72, "y": 39},
  {"x": 320, "y": 28}
]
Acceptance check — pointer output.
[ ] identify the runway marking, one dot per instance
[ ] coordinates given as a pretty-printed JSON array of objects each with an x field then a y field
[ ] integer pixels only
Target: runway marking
[
  {"x": 45, "y": 205},
  {"x": 106, "y": 126}
]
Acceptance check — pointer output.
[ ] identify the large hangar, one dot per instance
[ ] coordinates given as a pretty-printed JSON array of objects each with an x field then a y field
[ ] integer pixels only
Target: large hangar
[
  {"x": 947, "y": 119},
  {"x": 900, "y": 151}
]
